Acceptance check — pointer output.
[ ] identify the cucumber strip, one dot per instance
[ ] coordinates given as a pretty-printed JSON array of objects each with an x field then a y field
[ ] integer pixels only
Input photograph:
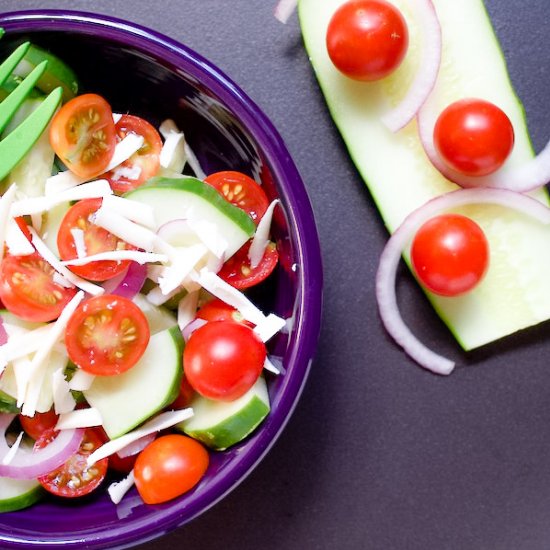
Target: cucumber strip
[
  {"x": 220, "y": 425},
  {"x": 16, "y": 494},
  {"x": 514, "y": 294},
  {"x": 128, "y": 399}
]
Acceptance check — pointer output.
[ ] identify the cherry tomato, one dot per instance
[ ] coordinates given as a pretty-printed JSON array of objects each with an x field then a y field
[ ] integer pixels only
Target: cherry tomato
[
  {"x": 450, "y": 254},
  {"x": 238, "y": 272},
  {"x": 36, "y": 425},
  {"x": 218, "y": 310},
  {"x": 474, "y": 137},
  {"x": 143, "y": 164},
  {"x": 367, "y": 39},
  {"x": 28, "y": 290},
  {"x": 82, "y": 134},
  {"x": 96, "y": 240},
  {"x": 185, "y": 395},
  {"x": 223, "y": 359},
  {"x": 242, "y": 191},
  {"x": 106, "y": 335},
  {"x": 168, "y": 467},
  {"x": 75, "y": 478}
]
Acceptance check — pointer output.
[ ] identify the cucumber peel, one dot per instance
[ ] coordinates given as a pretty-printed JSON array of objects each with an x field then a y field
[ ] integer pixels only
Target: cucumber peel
[
  {"x": 514, "y": 294},
  {"x": 16, "y": 494}
]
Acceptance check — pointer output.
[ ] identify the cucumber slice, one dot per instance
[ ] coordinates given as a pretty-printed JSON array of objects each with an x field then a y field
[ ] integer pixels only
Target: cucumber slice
[
  {"x": 57, "y": 72},
  {"x": 128, "y": 399},
  {"x": 51, "y": 224},
  {"x": 8, "y": 404},
  {"x": 514, "y": 294},
  {"x": 177, "y": 198},
  {"x": 220, "y": 425},
  {"x": 16, "y": 494},
  {"x": 36, "y": 166},
  {"x": 158, "y": 317}
]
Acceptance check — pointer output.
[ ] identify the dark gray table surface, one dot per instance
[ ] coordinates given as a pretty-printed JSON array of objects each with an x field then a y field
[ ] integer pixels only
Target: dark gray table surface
[{"x": 378, "y": 454}]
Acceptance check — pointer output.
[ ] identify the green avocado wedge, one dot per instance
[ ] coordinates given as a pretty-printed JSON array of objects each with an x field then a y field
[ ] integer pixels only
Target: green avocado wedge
[{"x": 514, "y": 293}]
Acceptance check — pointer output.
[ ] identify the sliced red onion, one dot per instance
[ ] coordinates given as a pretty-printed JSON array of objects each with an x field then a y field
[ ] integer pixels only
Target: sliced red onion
[
  {"x": 192, "y": 327},
  {"x": 389, "y": 260},
  {"x": 137, "y": 446},
  {"x": 426, "y": 76},
  {"x": 522, "y": 178},
  {"x": 3, "y": 332},
  {"x": 284, "y": 9},
  {"x": 133, "y": 281},
  {"x": 177, "y": 233},
  {"x": 32, "y": 464}
]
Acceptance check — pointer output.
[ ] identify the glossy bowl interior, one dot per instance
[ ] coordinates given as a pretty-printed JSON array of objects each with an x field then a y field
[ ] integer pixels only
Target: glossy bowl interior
[{"x": 150, "y": 75}]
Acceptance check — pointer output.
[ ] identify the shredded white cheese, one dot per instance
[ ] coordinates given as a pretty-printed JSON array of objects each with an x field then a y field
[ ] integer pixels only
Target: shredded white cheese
[
  {"x": 135, "y": 211},
  {"x": 261, "y": 237},
  {"x": 269, "y": 326},
  {"x": 119, "y": 256},
  {"x": 172, "y": 155},
  {"x": 81, "y": 380},
  {"x": 124, "y": 149},
  {"x": 209, "y": 234},
  {"x": 80, "y": 418},
  {"x": 79, "y": 242},
  {"x": 187, "y": 309},
  {"x": 6, "y": 203},
  {"x": 16, "y": 241},
  {"x": 62, "y": 181},
  {"x": 118, "y": 489},
  {"x": 8, "y": 457},
  {"x": 63, "y": 400},
  {"x": 183, "y": 260},
  {"x": 161, "y": 422}
]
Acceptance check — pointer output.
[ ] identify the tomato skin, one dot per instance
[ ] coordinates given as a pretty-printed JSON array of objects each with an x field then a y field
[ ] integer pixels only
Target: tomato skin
[
  {"x": 147, "y": 159},
  {"x": 223, "y": 359},
  {"x": 367, "y": 39},
  {"x": 450, "y": 254},
  {"x": 238, "y": 272},
  {"x": 61, "y": 482},
  {"x": 218, "y": 310},
  {"x": 82, "y": 134},
  {"x": 96, "y": 240},
  {"x": 473, "y": 137},
  {"x": 242, "y": 191},
  {"x": 36, "y": 425},
  {"x": 168, "y": 467},
  {"x": 28, "y": 290},
  {"x": 106, "y": 335}
]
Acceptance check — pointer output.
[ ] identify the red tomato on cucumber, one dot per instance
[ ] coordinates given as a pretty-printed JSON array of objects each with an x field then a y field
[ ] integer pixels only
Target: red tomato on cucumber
[
  {"x": 242, "y": 191},
  {"x": 95, "y": 240},
  {"x": 367, "y": 39},
  {"x": 450, "y": 254},
  {"x": 223, "y": 359},
  {"x": 28, "y": 288},
  {"x": 107, "y": 335},
  {"x": 473, "y": 137},
  {"x": 143, "y": 164},
  {"x": 82, "y": 134}
]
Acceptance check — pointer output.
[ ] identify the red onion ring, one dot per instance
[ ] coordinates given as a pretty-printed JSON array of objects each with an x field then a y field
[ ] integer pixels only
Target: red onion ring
[
  {"x": 284, "y": 9},
  {"x": 389, "y": 260},
  {"x": 521, "y": 178},
  {"x": 191, "y": 327},
  {"x": 3, "y": 332},
  {"x": 30, "y": 465},
  {"x": 425, "y": 78},
  {"x": 132, "y": 282},
  {"x": 137, "y": 446}
]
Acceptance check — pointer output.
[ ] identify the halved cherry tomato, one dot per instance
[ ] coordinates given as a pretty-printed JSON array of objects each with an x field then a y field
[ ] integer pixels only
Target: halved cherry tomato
[
  {"x": 242, "y": 191},
  {"x": 474, "y": 137},
  {"x": 218, "y": 310},
  {"x": 450, "y": 254},
  {"x": 168, "y": 467},
  {"x": 74, "y": 478},
  {"x": 238, "y": 272},
  {"x": 36, "y": 425},
  {"x": 143, "y": 164},
  {"x": 82, "y": 134},
  {"x": 28, "y": 290},
  {"x": 367, "y": 39},
  {"x": 106, "y": 335},
  {"x": 222, "y": 359},
  {"x": 20, "y": 221},
  {"x": 96, "y": 240}
]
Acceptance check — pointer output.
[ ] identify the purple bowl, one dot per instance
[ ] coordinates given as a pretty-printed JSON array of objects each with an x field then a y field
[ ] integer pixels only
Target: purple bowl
[{"x": 148, "y": 74}]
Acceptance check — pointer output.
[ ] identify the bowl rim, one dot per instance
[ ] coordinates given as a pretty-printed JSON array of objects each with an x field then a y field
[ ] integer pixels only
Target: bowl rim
[{"x": 301, "y": 221}]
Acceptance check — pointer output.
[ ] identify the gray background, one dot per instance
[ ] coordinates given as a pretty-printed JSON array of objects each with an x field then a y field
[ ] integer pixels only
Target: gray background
[{"x": 378, "y": 454}]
